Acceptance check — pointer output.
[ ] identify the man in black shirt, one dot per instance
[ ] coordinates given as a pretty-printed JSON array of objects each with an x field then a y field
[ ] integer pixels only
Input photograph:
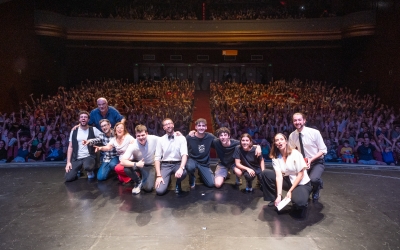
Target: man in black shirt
[{"x": 199, "y": 154}]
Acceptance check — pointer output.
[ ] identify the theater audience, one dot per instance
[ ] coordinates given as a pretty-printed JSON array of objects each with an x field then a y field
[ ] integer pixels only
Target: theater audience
[{"x": 262, "y": 110}]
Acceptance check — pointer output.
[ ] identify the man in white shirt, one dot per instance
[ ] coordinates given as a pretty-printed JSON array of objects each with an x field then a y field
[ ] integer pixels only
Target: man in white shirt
[
  {"x": 78, "y": 154},
  {"x": 309, "y": 142},
  {"x": 170, "y": 158},
  {"x": 140, "y": 156}
]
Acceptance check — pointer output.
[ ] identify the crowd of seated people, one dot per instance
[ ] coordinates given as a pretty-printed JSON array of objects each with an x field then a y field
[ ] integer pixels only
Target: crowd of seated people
[
  {"x": 189, "y": 10},
  {"x": 40, "y": 131},
  {"x": 356, "y": 128}
]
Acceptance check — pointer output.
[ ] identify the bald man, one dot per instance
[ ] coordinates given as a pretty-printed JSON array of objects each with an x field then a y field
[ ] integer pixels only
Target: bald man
[{"x": 103, "y": 111}]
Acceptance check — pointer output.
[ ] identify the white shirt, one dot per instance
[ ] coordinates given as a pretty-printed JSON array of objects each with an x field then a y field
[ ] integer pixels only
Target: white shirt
[
  {"x": 83, "y": 134},
  {"x": 294, "y": 164},
  {"x": 121, "y": 148},
  {"x": 171, "y": 150},
  {"x": 138, "y": 151},
  {"x": 312, "y": 142}
]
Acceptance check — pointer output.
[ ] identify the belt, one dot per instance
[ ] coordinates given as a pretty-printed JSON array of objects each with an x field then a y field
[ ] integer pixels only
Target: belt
[{"x": 171, "y": 162}]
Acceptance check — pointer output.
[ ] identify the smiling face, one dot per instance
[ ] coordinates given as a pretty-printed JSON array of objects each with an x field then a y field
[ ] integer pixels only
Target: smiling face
[
  {"x": 105, "y": 127},
  {"x": 168, "y": 126},
  {"x": 141, "y": 137},
  {"x": 201, "y": 128},
  {"x": 246, "y": 142},
  {"x": 298, "y": 121},
  {"x": 102, "y": 105},
  {"x": 280, "y": 142},
  {"x": 224, "y": 138},
  {"x": 120, "y": 129}
]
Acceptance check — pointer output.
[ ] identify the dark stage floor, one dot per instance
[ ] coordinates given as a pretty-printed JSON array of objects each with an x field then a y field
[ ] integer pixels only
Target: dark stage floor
[{"x": 358, "y": 209}]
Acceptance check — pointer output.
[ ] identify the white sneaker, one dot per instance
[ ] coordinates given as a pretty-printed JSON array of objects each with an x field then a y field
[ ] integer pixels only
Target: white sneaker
[
  {"x": 90, "y": 174},
  {"x": 136, "y": 189}
]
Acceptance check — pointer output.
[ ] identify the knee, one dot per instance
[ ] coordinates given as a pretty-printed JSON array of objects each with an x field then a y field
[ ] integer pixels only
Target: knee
[
  {"x": 300, "y": 201},
  {"x": 160, "y": 192},
  {"x": 315, "y": 180},
  {"x": 69, "y": 178},
  {"x": 190, "y": 167},
  {"x": 119, "y": 169},
  {"x": 101, "y": 177},
  {"x": 218, "y": 185}
]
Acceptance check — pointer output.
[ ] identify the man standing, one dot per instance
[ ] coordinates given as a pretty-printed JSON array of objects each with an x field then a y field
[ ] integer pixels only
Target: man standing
[
  {"x": 110, "y": 158},
  {"x": 103, "y": 111},
  {"x": 199, "y": 154},
  {"x": 142, "y": 151},
  {"x": 80, "y": 155},
  {"x": 309, "y": 142},
  {"x": 171, "y": 156}
]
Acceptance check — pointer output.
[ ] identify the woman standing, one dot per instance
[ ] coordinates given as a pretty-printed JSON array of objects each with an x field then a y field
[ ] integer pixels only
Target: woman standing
[
  {"x": 247, "y": 163},
  {"x": 289, "y": 174}
]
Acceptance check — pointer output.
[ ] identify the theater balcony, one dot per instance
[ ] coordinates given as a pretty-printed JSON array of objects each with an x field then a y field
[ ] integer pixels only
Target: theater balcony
[{"x": 282, "y": 30}]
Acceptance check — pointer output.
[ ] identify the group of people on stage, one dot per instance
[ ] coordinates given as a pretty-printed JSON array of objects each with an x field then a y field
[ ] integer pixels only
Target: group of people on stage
[{"x": 149, "y": 161}]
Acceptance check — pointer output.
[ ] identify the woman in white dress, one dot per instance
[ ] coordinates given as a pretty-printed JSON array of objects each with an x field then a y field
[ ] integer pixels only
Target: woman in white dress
[{"x": 290, "y": 173}]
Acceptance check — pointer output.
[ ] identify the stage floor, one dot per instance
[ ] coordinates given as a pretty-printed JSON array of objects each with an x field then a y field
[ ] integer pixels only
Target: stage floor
[{"x": 358, "y": 209}]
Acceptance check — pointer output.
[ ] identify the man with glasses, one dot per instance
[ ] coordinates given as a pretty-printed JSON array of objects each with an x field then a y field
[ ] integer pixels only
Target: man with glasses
[
  {"x": 110, "y": 158},
  {"x": 170, "y": 158}
]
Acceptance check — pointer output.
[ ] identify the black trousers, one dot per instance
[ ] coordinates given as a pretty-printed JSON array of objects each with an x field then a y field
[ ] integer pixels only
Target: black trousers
[
  {"x": 87, "y": 163},
  {"x": 315, "y": 173},
  {"x": 300, "y": 194}
]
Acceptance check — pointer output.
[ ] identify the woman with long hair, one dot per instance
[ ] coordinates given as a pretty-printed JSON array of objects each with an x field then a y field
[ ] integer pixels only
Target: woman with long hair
[
  {"x": 290, "y": 173},
  {"x": 247, "y": 163},
  {"x": 120, "y": 142}
]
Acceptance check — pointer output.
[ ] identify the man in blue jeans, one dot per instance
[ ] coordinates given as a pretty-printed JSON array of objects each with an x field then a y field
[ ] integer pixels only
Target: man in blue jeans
[{"x": 110, "y": 158}]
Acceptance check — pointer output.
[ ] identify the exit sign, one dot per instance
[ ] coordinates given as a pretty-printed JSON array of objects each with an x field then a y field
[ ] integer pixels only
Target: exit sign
[{"x": 229, "y": 52}]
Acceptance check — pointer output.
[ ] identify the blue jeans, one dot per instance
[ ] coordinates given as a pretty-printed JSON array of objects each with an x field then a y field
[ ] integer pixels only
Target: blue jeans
[
  {"x": 106, "y": 167},
  {"x": 204, "y": 171}
]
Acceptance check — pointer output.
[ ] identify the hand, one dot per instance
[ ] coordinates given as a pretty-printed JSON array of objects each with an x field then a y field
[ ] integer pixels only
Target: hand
[
  {"x": 177, "y": 133},
  {"x": 258, "y": 151},
  {"x": 159, "y": 180},
  {"x": 85, "y": 142},
  {"x": 68, "y": 167},
  {"x": 278, "y": 200},
  {"x": 97, "y": 148},
  {"x": 192, "y": 133},
  {"x": 76, "y": 127},
  {"x": 140, "y": 163},
  {"x": 251, "y": 172},
  {"x": 308, "y": 161},
  {"x": 178, "y": 174}
]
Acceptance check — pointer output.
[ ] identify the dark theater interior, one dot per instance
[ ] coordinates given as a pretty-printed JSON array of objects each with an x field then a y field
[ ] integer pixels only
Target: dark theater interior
[{"x": 248, "y": 66}]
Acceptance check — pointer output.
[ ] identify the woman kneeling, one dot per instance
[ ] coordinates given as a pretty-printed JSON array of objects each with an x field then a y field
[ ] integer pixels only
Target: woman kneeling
[{"x": 290, "y": 173}]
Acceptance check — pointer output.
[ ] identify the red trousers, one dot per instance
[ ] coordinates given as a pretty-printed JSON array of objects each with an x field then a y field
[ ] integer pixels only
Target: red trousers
[{"x": 119, "y": 169}]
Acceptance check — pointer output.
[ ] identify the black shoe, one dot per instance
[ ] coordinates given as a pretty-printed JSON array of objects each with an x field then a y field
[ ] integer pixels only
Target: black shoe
[
  {"x": 178, "y": 189},
  {"x": 271, "y": 204},
  {"x": 298, "y": 213}
]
